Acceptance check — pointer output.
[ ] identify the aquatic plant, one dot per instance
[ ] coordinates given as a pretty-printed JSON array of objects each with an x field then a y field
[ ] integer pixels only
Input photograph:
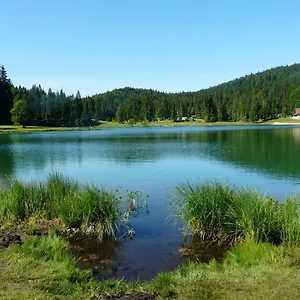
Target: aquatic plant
[
  {"x": 92, "y": 210},
  {"x": 218, "y": 212}
]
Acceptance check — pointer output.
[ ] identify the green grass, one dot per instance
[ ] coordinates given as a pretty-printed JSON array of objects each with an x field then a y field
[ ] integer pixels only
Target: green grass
[
  {"x": 250, "y": 271},
  {"x": 283, "y": 120},
  {"x": 264, "y": 262},
  {"x": 170, "y": 123},
  {"x": 28, "y": 129},
  {"x": 85, "y": 208},
  {"x": 218, "y": 212},
  {"x": 105, "y": 124},
  {"x": 42, "y": 268}
]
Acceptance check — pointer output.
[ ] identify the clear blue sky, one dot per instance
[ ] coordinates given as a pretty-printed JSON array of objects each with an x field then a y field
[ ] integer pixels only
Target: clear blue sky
[{"x": 169, "y": 45}]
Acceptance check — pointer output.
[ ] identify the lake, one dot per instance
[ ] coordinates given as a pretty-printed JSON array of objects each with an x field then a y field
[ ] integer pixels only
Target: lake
[{"x": 154, "y": 160}]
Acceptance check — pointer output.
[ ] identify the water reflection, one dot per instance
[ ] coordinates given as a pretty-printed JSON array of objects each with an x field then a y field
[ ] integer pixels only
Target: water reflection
[
  {"x": 271, "y": 150},
  {"x": 6, "y": 158}
]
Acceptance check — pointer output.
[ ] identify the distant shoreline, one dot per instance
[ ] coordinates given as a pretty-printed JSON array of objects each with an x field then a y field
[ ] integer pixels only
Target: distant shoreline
[{"x": 9, "y": 129}]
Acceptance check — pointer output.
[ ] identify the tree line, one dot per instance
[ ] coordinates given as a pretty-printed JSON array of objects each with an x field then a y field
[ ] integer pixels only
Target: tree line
[{"x": 261, "y": 96}]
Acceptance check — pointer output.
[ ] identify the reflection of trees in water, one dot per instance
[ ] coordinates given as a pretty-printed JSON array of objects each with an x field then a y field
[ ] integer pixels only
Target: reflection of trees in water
[
  {"x": 296, "y": 133},
  {"x": 271, "y": 150},
  {"x": 6, "y": 158},
  {"x": 36, "y": 153}
]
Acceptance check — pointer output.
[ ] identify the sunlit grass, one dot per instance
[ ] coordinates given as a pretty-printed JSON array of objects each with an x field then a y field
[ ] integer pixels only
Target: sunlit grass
[
  {"x": 86, "y": 208},
  {"x": 250, "y": 270},
  {"x": 28, "y": 129},
  {"x": 218, "y": 212}
]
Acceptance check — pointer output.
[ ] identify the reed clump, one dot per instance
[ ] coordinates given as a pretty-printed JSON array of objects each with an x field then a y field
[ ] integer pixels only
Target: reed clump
[
  {"x": 85, "y": 208},
  {"x": 218, "y": 212}
]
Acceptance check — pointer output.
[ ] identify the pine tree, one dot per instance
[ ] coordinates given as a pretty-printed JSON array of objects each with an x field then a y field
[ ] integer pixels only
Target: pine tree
[{"x": 6, "y": 101}]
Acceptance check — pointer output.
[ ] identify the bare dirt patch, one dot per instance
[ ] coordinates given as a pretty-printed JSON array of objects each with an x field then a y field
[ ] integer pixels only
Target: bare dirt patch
[{"x": 9, "y": 237}]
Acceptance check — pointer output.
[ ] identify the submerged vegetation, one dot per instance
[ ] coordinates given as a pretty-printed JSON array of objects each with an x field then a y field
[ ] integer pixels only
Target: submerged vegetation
[{"x": 219, "y": 212}]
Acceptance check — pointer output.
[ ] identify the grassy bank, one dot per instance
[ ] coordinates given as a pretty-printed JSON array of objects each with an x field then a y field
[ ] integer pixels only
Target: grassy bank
[
  {"x": 284, "y": 121},
  {"x": 28, "y": 129},
  {"x": 263, "y": 262},
  {"x": 42, "y": 268},
  {"x": 65, "y": 203},
  {"x": 249, "y": 271},
  {"x": 170, "y": 124}
]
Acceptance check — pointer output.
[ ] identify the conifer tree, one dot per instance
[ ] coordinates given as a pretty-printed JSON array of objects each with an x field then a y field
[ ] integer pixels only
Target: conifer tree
[{"x": 6, "y": 101}]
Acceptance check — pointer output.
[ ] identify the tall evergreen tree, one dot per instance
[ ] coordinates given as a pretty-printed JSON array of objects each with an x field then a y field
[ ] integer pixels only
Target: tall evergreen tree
[{"x": 6, "y": 99}]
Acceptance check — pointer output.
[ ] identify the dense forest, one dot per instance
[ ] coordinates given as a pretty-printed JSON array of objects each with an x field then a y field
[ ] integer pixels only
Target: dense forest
[{"x": 262, "y": 96}]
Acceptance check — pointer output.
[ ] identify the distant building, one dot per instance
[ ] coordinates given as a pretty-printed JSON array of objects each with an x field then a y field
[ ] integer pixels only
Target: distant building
[{"x": 297, "y": 114}]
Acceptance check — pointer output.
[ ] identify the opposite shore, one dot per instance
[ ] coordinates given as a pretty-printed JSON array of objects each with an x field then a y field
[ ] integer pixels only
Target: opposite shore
[{"x": 7, "y": 129}]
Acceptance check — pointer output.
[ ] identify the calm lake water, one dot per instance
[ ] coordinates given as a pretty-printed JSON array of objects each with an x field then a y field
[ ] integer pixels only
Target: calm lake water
[{"x": 155, "y": 160}]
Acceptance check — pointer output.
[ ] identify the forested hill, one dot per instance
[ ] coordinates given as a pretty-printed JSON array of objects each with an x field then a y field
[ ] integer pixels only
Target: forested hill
[{"x": 264, "y": 95}]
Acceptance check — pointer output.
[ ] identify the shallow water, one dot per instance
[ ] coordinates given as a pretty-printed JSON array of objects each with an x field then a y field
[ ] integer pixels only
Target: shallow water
[{"x": 154, "y": 160}]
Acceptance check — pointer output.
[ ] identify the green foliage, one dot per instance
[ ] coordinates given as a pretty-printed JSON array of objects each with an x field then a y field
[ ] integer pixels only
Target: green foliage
[
  {"x": 250, "y": 270},
  {"x": 145, "y": 123},
  {"x": 131, "y": 122},
  {"x": 251, "y": 253},
  {"x": 43, "y": 268},
  {"x": 163, "y": 284},
  {"x": 6, "y": 99},
  {"x": 50, "y": 247},
  {"x": 215, "y": 211},
  {"x": 294, "y": 100},
  {"x": 264, "y": 95},
  {"x": 87, "y": 208},
  {"x": 20, "y": 113}
]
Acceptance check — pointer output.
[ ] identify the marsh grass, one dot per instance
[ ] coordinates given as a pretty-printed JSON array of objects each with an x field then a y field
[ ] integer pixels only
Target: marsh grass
[
  {"x": 87, "y": 208},
  {"x": 220, "y": 213}
]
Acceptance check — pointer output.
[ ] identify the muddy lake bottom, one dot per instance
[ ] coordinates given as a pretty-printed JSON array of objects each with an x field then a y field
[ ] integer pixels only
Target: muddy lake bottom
[{"x": 102, "y": 258}]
